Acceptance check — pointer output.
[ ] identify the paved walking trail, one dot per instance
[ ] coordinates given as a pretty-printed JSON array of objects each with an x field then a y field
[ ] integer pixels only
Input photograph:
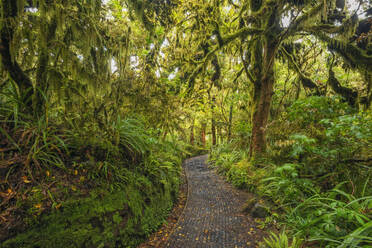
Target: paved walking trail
[{"x": 212, "y": 217}]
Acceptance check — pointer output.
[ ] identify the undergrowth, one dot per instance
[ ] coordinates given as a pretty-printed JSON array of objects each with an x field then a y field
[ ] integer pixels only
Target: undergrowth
[
  {"x": 84, "y": 184},
  {"x": 316, "y": 176}
]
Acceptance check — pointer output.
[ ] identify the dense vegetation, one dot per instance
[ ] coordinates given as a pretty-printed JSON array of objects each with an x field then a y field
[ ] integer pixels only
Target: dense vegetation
[
  {"x": 101, "y": 100},
  {"x": 316, "y": 177},
  {"x": 84, "y": 157}
]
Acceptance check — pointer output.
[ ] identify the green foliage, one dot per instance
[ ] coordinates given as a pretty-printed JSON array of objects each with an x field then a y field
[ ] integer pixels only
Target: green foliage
[
  {"x": 335, "y": 219},
  {"x": 281, "y": 241},
  {"x": 348, "y": 134},
  {"x": 235, "y": 166},
  {"x": 326, "y": 146},
  {"x": 223, "y": 159},
  {"x": 243, "y": 132},
  {"x": 327, "y": 140},
  {"x": 301, "y": 145},
  {"x": 312, "y": 109},
  {"x": 286, "y": 188},
  {"x": 316, "y": 175},
  {"x": 132, "y": 136},
  {"x": 122, "y": 182},
  {"x": 238, "y": 175},
  {"x": 47, "y": 145},
  {"x": 79, "y": 122}
]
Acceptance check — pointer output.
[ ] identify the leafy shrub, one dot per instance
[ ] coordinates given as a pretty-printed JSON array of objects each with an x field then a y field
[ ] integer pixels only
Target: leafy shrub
[
  {"x": 220, "y": 149},
  {"x": 312, "y": 109},
  {"x": 235, "y": 166},
  {"x": 303, "y": 117},
  {"x": 242, "y": 134},
  {"x": 238, "y": 175},
  {"x": 281, "y": 241},
  {"x": 319, "y": 153},
  {"x": 115, "y": 184},
  {"x": 335, "y": 219},
  {"x": 323, "y": 143},
  {"x": 223, "y": 157},
  {"x": 285, "y": 187}
]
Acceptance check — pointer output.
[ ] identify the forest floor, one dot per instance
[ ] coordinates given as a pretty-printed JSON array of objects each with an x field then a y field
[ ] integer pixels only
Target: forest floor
[{"x": 212, "y": 216}]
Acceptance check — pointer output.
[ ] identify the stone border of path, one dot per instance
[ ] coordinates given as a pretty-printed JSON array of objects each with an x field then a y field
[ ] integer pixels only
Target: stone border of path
[
  {"x": 187, "y": 199},
  {"x": 157, "y": 239}
]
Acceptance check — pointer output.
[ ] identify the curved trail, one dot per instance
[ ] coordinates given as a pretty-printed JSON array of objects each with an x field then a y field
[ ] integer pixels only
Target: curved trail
[{"x": 212, "y": 216}]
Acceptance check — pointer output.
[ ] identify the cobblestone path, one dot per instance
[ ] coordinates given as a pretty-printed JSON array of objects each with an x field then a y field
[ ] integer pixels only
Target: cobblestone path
[{"x": 212, "y": 216}]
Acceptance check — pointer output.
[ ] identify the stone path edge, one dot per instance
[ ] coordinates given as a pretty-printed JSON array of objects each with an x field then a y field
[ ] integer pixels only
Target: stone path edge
[{"x": 160, "y": 244}]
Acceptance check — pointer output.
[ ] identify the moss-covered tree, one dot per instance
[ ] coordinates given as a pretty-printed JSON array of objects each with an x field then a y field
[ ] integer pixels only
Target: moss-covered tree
[{"x": 254, "y": 32}]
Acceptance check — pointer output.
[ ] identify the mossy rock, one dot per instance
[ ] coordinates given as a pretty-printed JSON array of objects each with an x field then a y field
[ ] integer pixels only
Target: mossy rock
[
  {"x": 123, "y": 218},
  {"x": 248, "y": 205},
  {"x": 255, "y": 207},
  {"x": 260, "y": 211}
]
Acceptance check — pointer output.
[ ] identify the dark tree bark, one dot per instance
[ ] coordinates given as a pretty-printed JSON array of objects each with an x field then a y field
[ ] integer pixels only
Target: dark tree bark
[
  {"x": 213, "y": 129},
  {"x": 192, "y": 137},
  {"x": 213, "y": 123},
  {"x": 203, "y": 134},
  {"x": 42, "y": 70},
  {"x": 10, "y": 12},
  {"x": 349, "y": 95},
  {"x": 261, "y": 109},
  {"x": 219, "y": 135},
  {"x": 230, "y": 122},
  {"x": 263, "y": 55}
]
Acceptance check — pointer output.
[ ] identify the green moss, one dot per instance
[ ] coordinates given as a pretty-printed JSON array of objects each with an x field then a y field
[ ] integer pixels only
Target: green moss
[{"x": 123, "y": 218}]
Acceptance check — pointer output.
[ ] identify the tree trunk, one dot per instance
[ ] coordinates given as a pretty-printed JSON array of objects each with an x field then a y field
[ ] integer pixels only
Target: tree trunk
[
  {"x": 220, "y": 136},
  {"x": 10, "y": 11},
  {"x": 262, "y": 95},
  {"x": 230, "y": 122},
  {"x": 263, "y": 51},
  {"x": 349, "y": 94},
  {"x": 213, "y": 129},
  {"x": 41, "y": 88},
  {"x": 261, "y": 110},
  {"x": 203, "y": 131},
  {"x": 192, "y": 137}
]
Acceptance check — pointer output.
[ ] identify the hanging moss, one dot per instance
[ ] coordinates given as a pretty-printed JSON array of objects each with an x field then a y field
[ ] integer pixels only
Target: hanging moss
[
  {"x": 350, "y": 95},
  {"x": 307, "y": 18},
  {"x": 353, "y": 55},
  {"x": 308, "y": 83}
]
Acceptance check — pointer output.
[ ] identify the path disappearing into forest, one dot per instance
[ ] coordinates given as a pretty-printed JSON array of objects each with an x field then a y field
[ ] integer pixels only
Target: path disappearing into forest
[{"x": 212, "y": 216}]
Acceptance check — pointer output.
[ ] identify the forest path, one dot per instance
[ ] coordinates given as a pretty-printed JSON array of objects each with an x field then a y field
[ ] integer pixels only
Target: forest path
[{"x": 212, "y": 216}]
